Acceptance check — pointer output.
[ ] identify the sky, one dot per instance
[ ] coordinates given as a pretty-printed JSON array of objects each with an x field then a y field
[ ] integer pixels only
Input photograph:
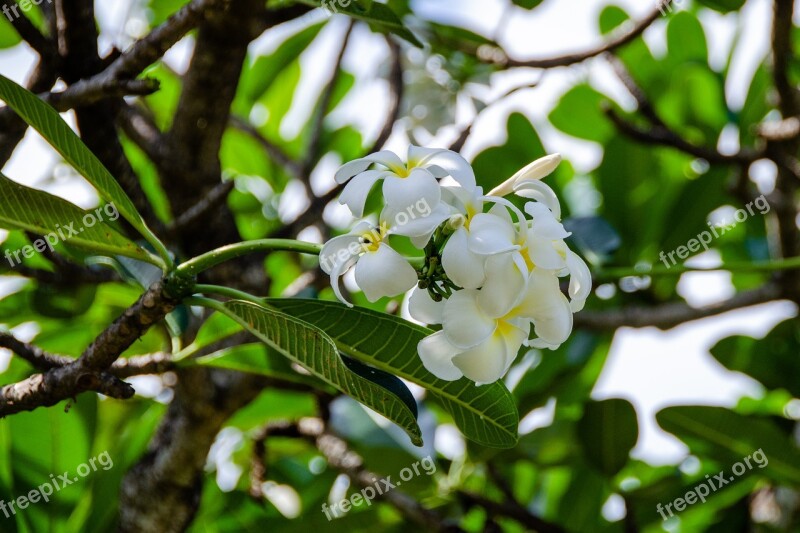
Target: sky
[{"x": 652, "y": 368}]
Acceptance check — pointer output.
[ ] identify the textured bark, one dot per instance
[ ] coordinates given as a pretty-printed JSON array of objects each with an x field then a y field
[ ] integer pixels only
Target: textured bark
[{"x": 89, "y": 371}]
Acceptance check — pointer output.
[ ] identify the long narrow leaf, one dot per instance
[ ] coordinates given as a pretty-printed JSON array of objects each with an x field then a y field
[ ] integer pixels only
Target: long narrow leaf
[
  {"x": 46, "y": 120},
  {"x": 317, "y": 353},
  {"x": 47, "y": 215},
  {"x": 485, "y": 414}
]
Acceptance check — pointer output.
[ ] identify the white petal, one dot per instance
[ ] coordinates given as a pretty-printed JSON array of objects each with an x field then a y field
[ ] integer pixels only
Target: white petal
[
  {"x": 339, "y": 250},
  {"x": 423, "y": 308},
  {"x": 505, "y": 285},
  {"x": 415, "y": 222},
  {"x": 545, "y": 223},
  {"x": 451, "y": 162},
  {"x": 537, "y": 190},
  {"x": 485, "y": 363},
  {"x": 420, "y": 188},
  {"x": 543, "y": 254},
  {"x": 462, "y": 266},
  {"x": 490, "y": 234},
  {"x": 547, "y": 307},
  {"x": 463, "y": 200},
  {"x": 580, "y": 281},
  {"x": 437, "y": 356},
  {"x": 338, "y": 271},
  {"x": 384, "y": 157},
  {"x": 534, "y": 171},
  {"x": 356, "y": 191},
  {"x": 539, "y": 169},
  {"x": 464, "y": 322},
  {"x": 384, "y": 273}
]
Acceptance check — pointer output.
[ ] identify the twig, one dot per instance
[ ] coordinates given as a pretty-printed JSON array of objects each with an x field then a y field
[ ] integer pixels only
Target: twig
[
  {"x": 318, "y": 124},
  {"x": 89, "y": 372},
  {"x": 215, "y": 197},
  {"x": 318, "y": 203},
  {"x": 464, "y": 134},
  {"x": 658, "y": 132},
  {"x": 31, "y": 35},
  {"x": 275, "y": 152},
  {"x": 519, "y": 514},
  {"x": 156, "y": 363},
  {"x": 339, "y": 455},
  {"x": 662, "y": 136},
  {"x": 669, "y": 315},
  {"x": 500, "y": 58}
]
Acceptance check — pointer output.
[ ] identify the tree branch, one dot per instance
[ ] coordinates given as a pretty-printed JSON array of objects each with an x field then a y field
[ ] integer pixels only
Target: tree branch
[
  {"x": 668, "y": 315},
  {"x": 339, "y": 455},
  {"x": 499, "y": 57},
  {"x": 318, "y": 203},
  {"x": 517, "y": 513},
  {"x": 89, "y": 372}
]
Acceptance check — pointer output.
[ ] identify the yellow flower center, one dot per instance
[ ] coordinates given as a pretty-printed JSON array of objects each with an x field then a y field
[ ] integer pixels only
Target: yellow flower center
[{"x": 371, "y": 240}]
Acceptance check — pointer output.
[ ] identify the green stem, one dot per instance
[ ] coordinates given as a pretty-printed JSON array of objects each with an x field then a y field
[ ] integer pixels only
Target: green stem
[
  {"x": 609, "y": 274},
  {"x": 209, "y": 303},
  {"x": 228, "y": 292},
  {"x": 215, "y": 257},
  {"x": 161, "y": 250}
]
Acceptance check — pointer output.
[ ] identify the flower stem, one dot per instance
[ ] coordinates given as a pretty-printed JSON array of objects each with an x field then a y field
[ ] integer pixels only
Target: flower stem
[
  {"x": 215, "y": 257},
  {"x": 610, "y": 274},
  {"x": 228, "y": 292}
]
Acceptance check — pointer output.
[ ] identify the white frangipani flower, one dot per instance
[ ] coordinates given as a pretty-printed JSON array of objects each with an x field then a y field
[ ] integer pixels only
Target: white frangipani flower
[
  {"x": 379, "y": 270},
  {"x": 472, "y": 343},
  {"x": 490, "y": 277},
  {"x": 403, "y": 183}
]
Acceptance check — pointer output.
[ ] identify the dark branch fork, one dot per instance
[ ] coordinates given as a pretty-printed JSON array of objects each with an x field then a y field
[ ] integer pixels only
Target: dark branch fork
[{"x": 91, "y": 372}]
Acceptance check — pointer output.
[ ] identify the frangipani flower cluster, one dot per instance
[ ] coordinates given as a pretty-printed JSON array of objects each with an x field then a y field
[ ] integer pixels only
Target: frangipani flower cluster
[{"x": 491, "y": 272}]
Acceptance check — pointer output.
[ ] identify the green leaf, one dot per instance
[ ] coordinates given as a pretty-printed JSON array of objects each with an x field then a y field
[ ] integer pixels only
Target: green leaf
[
  {"x": 527, "y": 4},
  {"x": 608, "y": 431},
  {"x": 686, "y": 39},
  {"x": 485, "y": 414},
  {"x": 580, "y": 113},
  {"x": 723, "y": 6},
  {"x": 8, "y": 35},
  {"x": 498, "y": 163},
  {"x": 253, "y": 359},
  {"x": 721, "y": 433},
  {"x": 52, "y": 127},
  {"x": 772, "y": 360},
  {"x": 256, "y": 79},
  {"x": 612, "y": 17},
  {"x": 316, "y": 352},
  {"x": 378, "y": 15},
  {"x": 44, "y": 214},
  {"x": 51, "y": 442}
]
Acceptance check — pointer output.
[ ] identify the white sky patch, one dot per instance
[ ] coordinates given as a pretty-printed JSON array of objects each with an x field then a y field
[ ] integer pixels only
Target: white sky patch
[{"x": 655, "y": 369}]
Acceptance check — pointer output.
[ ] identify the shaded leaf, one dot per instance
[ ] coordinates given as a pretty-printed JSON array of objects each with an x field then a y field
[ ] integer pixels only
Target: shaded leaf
[
  {"x": 720, "y": 432},
  {"x": 485, "y": 414},
  {"x": 44, "y": 214},
  {"x": 46, "y": 120},
  {"x": 317, "y": 353},
  {"x": 608, "y": 431}
]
